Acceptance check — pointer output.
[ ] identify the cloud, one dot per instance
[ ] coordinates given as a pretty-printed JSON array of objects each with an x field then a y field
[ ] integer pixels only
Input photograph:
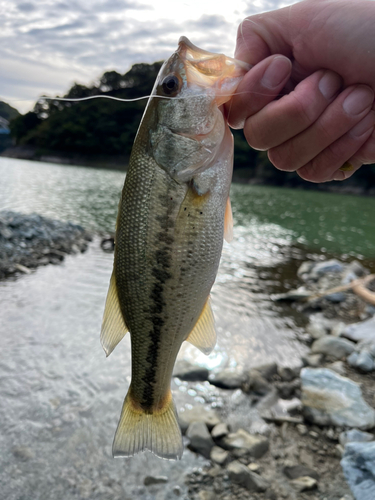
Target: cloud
[{"x": 48, "y": 44}]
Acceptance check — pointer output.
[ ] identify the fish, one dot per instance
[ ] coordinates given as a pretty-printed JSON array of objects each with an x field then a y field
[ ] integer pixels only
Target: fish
[{"x": 173, "y": 214}]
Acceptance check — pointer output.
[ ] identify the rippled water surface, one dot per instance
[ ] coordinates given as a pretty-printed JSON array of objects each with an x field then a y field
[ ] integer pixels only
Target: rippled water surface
[{"x": 60, "y": 398}]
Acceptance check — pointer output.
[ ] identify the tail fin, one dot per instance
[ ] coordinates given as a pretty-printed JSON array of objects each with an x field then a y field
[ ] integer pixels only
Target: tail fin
[{"x": 158, "y": 432}]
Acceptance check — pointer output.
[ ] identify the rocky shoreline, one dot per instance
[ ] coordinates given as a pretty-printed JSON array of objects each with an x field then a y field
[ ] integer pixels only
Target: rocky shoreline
[
  {"x": 311, "y": 427},
  {"x": 30, "y": 241}
]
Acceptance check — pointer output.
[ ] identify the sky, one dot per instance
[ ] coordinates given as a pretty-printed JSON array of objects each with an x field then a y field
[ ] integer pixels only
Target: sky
[{"x": 47, "y": 45}]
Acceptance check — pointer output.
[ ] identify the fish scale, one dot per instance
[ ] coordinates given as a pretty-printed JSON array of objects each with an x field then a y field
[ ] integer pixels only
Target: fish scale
[{"x": 169, "y": 238}]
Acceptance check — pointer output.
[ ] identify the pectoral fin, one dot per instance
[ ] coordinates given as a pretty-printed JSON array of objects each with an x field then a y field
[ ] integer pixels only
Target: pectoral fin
[
  {"x": 113, "y": 325},
  {"x": 228, "y": 222},
  {"x": 203, "y": 335}
]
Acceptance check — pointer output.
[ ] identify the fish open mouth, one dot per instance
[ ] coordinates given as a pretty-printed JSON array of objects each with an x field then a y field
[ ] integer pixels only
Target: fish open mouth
[{"x": 207, "y": 69}]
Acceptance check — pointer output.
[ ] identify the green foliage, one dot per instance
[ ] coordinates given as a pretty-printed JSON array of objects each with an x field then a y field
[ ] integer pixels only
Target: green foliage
[
  {"x": 97, "y": 126},
  {"x": 7, "y": 111}
]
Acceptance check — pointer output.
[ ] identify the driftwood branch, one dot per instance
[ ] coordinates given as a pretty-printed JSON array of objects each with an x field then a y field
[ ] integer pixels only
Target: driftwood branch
[{"x": 358, "y": 286}]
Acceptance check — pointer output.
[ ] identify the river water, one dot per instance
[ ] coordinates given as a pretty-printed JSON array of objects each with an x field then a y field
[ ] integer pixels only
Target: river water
[{"x": 60, "y": 398}]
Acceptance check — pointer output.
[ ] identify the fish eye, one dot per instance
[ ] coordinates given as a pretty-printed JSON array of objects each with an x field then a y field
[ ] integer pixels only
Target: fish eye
[{"x": 170, "y": 84}]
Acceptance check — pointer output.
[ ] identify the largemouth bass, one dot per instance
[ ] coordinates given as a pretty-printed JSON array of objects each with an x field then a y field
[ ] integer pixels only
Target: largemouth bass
[{"x": 169, "y": 237}]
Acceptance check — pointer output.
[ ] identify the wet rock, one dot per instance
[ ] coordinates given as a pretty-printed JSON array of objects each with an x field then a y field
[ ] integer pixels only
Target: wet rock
[
  {"x": 296, "y": 471},
  {"x": 206, "y": 495},
  {"x": 219, "y": 431},
  {"x": 338, "y": 329},
  {"x": 358, "y": 464},
  {"x": 228, "y": 379},
  {"x": 352, "y": 359},
  {"x": 177, "y": 490},
  {"x": 305, "y": 268},
  {"x": 192, "y": 373},
  {"x": 338, "y": 367},
  {"x": 329, "y": 399},
  {"x": 245, "y": 443},
  {"x": 198, "y": 414},
  {"x": 305, "y": 483},
  {"x": 288, "y": 373},
  {"x": 322, "y": 268},
  {"x": 365, "y": 362},
  {"x": 267, "y": 370},
  {"x": 218, "y": 455},
  {"x": 282, "y": 411},
  {"x": 336, "y": 347},
  {"x": 22, "y": 453},
  {"x": 364, "y": 330},
  {"x": 240, "y": 474},
  {"x": 256, "y": 383},
  {"x": 355, "y": 436},
  {"x": 149, "y": 480},
  {"x": 316, "y": 330},
  {"x": 200, "y": 438},
  {"x": 313, "y": 360}
]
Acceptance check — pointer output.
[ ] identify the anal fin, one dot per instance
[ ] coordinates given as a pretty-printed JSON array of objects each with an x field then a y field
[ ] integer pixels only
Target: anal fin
[
  {"x": 203, "y": 335},
  {"x": 113, "y": 325},
  {"x": 228, "y": 222}
]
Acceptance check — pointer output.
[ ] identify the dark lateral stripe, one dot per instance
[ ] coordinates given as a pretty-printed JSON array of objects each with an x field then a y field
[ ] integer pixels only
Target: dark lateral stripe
[{"x": 160, "y": 272}]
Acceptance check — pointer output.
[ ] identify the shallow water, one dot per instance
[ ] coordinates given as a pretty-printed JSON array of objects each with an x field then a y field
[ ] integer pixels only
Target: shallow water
[{"x": 60, "y": 398}]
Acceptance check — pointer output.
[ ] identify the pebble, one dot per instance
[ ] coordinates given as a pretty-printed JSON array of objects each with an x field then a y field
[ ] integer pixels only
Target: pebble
[
  {"x": 240, "y": 474},
  {"x": 267, "y": 370},
  {"x": 295, "y": 471},
  {"x": 149, "y": 480},
  {"x": 246, "y": 443},
  {"x": 177, "y": 490},
  {"x": 256, "y": 383},
  {"x": 23, "y": 453},
  {"x": 228, "y": 379},
  {"x": 200, "y": 438},
  {"x": 218, "y": 455},
  {"x": 184, "y": 370},
  {"x": 304, "y": 483},
  {"x": 338, "y": 367},
  {"x": 336, "y": 347},
  {"x": 219, "y": 431},
  {"x": 206, "y": 495},
  {"x": 365, "y": 362},
  {"x": 197, "y": 414}
]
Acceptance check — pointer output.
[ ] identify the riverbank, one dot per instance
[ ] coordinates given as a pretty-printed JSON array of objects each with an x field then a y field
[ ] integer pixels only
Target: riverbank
[
  {"x": 30, "y": 241},
  {"x": 309, "y": 434}
]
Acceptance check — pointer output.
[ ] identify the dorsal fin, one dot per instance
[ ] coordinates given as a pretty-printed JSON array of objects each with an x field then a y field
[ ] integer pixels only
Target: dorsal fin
[
  {"x": 203, "y": 335},
  {"x": 228, "y": 222},
  {"x": 113, "y": 325}
]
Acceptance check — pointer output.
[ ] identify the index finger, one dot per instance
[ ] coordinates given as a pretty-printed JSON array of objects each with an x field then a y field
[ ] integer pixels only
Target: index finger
[{"x": 261, "y": 85}]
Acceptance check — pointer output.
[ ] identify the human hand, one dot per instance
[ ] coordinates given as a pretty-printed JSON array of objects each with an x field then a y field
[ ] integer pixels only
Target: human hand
[{"x": 320, "y": 56}]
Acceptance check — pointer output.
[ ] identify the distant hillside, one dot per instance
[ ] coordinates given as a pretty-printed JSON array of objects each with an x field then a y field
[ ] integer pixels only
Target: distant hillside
[
  {"x": 7, "y": 111},
  {"x": 100, "y": 132}
]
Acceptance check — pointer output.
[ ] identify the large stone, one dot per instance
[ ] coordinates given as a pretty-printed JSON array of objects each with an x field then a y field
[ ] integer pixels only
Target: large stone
[
  {"x": 358, "y": 464},
  {"x": 335, "y": 347},
  {"x": 329, "y": 266},
  {"x": 197, "y": 414},
  {"x": 240, "y": 474},
  {"x": 329, "y": 399},
  {"x": 245, "y": 443},
  {"x": 187, "y": 371},
  {"x": 365, "y": 362},
  {"x": 355, "y": 436},
  {"x": 295, "y": 471},
  {"x": 228, "y": 379},
  {"x": 365, "y": 330},
  {"x": 200, "y": 438}
]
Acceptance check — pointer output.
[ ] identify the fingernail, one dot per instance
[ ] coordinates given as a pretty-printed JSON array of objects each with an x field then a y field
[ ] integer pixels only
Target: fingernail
[
  {"x": 358, "y": 100},
  {"x": 347, "y": 167},
  {"x": 364, "y": 125},
  {"x": 276, "y": 72},
  {"x": 330, "y": 84}
]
